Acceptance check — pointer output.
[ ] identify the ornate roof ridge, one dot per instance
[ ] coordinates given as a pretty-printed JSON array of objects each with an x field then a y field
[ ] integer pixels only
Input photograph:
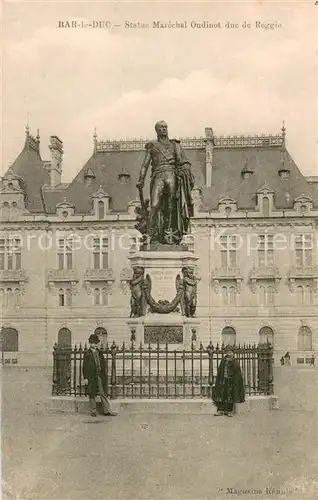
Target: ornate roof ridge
[{"x": 221, "y": 141}]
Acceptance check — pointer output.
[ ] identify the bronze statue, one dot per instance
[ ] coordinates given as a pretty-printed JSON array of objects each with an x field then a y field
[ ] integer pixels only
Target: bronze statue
[
  {"x": 170, "y": 189},
  {"x": 138, "y": 302},
  {"x": 188, "y": 284}
]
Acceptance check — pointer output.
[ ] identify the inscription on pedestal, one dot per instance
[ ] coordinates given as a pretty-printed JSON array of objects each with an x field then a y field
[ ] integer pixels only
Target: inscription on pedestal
[
  {"x": 163, "y": 283},
  {"x": 163, "y": 334}
]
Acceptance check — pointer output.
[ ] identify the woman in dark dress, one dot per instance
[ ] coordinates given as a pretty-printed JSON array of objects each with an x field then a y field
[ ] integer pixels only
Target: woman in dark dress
[{"x": 229, "y": 386}]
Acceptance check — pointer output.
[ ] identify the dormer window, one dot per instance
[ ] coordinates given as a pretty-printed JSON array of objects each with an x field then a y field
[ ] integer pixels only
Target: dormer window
[
  {"x": 284, "y": 171},
  {"x": 284, "y": 174},
  {"x": 227, "y": 205},
  {"x": 303, "y": 209},
  {"x": 246, "y": 175},
  {"x": 124, "y": 177},
  {"x": 266, "y": 207},
  {"x": 247, "y": 172},
  {"x": 65, "y": 209},
  {"x": 303, "y": 204},
  {"x": 101, "y": 203},
  {"x": 89, "y": 176},
  {"x": 101, "y": 210},
  {"x": 265, "y": 200}
]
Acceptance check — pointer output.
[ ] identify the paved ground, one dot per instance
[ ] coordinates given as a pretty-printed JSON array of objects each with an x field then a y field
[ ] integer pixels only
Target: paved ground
[{"x": 148, "y": 456}]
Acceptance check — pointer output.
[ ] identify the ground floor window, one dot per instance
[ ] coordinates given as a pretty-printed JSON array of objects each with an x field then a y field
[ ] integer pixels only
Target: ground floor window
[
  {"x": 102, "y": 333},
  {"x": 9, "y": 339},
  {"x": 64, "y": 337},
  {"x": 228, "y": 336},
  {"x": 266, "y": 335},
  {"x": 304, "y": 339}
]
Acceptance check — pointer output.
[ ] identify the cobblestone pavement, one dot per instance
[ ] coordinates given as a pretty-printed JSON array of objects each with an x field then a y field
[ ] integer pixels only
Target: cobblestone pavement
[{"x": 155, "y": 456}]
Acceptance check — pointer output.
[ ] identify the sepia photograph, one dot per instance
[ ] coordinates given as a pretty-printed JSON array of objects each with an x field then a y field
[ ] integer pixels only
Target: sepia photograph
[{"x": 159, "y": 250}]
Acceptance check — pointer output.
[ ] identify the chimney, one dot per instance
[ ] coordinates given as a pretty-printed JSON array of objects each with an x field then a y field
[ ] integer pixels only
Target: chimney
[
  {"x": 209, "y": 144},
  {"x": 55, "y": 169}
]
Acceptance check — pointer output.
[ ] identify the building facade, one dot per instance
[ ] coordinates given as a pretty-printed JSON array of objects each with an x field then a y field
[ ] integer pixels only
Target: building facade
[{"x": 64, "y": 248}]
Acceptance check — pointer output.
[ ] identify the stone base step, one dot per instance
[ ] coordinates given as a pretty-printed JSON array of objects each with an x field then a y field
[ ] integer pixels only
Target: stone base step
[{"x": 71, "y": 404}]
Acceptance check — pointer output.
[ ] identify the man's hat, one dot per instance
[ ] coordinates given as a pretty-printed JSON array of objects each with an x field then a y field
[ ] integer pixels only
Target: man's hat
[
  {"x": 94, "y": 339},
  {"x": 229, "y": 348}
]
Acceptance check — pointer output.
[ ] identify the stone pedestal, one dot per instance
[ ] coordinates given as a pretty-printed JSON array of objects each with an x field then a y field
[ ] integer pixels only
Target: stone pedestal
[
  {"x": 163, "y": 267},
  {"x": 173, "y": 328}
]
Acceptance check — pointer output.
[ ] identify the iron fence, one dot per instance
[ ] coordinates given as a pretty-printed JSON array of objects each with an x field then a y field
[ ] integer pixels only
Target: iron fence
[{"x": 159, "y": 371}]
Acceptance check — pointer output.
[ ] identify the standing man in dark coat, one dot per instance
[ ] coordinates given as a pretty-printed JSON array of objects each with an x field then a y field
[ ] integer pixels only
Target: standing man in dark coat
[
  {"x": 229, "y": 386},
  {"x": 94, "y": 373}
]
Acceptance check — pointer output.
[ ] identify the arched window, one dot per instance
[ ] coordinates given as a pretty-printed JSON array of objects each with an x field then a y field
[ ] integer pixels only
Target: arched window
[
  {"x": 228, "y": 336},
  {"x": 232, "y": 295},
  {"x": 10, "y": 298},
  {"x": 101, "y": 209},
  {"x": 266, "y": 295},
  {"x": 224, "y": 296},
  {"x": 308, "y": 296},
  {"x": 96, "y": 297},
  {"x": 61, "y": 297},
  {"x": 64, "y": 337},
  {"x": 262, "y": 296},
  {"x": 65, "y": 297},
  {"x": 102, "y": 333},
  {"x": 266, "y": 334},
  {"x": 265, "y": 207},
  {"x": 304, "y": 339},
  {"x": 270, "y": 296},
  {"x": 9, "y": 340},
  {"x": 104, "y": 296},
  {"x": 68, "y": 295},
  {"x": 300, "y": 295}
]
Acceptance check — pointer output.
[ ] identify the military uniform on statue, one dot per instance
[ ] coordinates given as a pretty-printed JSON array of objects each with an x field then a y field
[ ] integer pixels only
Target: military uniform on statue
[
  {"x": 170, "y": 188},
  {"x": 94, "y": 373},
  {"x": 164, "y": 283}
]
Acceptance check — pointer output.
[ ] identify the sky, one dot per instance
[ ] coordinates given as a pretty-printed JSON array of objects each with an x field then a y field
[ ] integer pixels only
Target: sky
[{"x": 66, "y": 81}]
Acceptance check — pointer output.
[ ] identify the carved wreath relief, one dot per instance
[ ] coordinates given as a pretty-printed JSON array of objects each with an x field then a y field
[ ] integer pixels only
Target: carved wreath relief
[{"x": 141, "y": 297}]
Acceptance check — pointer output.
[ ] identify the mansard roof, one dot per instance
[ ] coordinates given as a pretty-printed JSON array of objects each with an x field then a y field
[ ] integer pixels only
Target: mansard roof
[
  {"x": 29, "y": 166},
  {"x": 262, "y": 154},
  {"x": 265, "y": 162},
  {"x": 107, "y": 165}
]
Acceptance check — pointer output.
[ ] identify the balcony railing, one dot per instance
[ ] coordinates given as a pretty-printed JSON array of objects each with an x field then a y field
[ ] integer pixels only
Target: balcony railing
[
  {"x": 13, "y": 275},
  {"x": 226, "y": 273},
  {"x": 305, "y": 272},
  {"x": 265, "y": 272},
  {"x": 99, "y": 275},
  {"x": 62, "y": 275}
]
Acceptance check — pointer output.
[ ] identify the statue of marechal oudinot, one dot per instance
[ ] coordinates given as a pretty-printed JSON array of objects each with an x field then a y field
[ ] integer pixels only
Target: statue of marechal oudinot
[{"x": 165, "y": 218}]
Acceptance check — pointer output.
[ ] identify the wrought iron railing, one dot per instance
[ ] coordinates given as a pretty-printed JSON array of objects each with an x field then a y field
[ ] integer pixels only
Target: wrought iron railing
[{"x": 160, "y": 371}]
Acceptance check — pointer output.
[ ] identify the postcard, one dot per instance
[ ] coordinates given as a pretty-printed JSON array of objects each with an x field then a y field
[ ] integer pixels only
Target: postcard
[{"x": 158, "y": 250}]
